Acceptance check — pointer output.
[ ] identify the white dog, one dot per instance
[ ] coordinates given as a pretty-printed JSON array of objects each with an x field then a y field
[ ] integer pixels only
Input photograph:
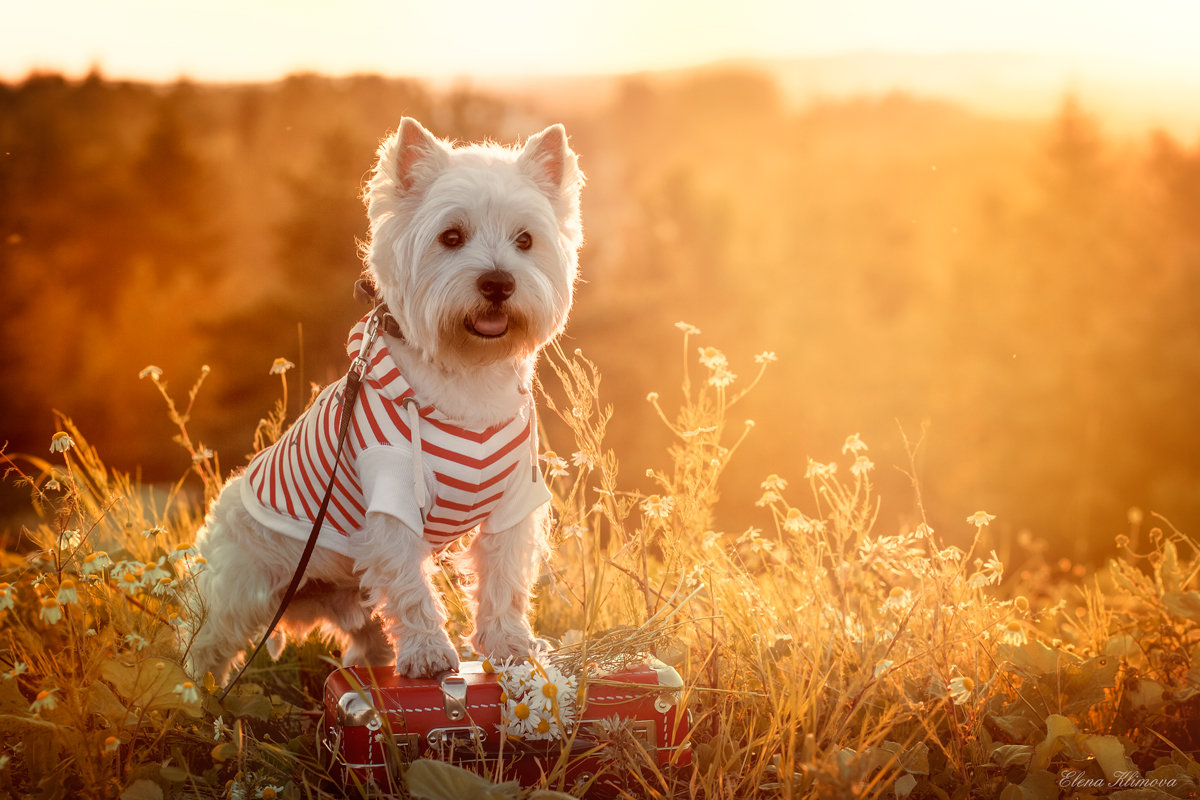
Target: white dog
[{"x": 474, "y": 250}]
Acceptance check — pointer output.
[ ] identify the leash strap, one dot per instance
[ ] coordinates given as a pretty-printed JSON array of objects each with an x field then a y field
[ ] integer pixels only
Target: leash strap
[{"x": 349, "y": 395}]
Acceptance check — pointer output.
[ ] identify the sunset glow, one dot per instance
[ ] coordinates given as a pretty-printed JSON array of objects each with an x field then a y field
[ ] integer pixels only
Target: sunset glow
[{"x": 266, "y": 39}]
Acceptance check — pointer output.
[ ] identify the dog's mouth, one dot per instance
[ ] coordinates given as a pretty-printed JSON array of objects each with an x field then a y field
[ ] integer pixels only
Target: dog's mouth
[{"x": 491, "y": 323}]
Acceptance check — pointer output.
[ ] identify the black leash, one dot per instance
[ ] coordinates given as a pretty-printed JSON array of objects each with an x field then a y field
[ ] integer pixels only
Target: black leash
[{"x": 349, "y": 395}]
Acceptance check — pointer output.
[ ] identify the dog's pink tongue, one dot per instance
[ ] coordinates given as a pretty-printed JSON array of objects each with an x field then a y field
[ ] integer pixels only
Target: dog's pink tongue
[{"x": 492, "y": 323}]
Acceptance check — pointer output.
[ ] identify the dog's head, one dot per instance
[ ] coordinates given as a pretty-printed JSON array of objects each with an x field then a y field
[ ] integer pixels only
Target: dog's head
[{"x": 475, "y": 248}]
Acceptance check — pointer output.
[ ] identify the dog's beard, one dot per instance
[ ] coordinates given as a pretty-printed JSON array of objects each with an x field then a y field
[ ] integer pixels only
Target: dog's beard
[{"x": 487, "y": 334}]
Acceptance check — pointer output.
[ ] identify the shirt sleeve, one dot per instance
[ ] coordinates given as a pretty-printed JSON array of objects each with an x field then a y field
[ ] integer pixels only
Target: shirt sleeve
[
  {"x": 525, "y": 492},
  {"x": 386, "y": 472}
]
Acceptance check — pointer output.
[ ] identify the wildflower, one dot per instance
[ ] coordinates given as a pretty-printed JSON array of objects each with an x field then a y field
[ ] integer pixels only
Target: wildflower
[
  {"x": 960, "y": 689},
  {"x": 950, "y": 554},
  {"x": 581, "y": 458},
  {"x": 713, "y": 358},
  {"x": 202, "y": 455},
  {"x": 818, "y": 470},
  {"x": 69, "y": 540},
  {"x": 768, "y": 497},
  {"x": 774, "y": 483},
  {"x": 771, "y": 487},
  {"x": 1021, "y": 604},
  {"x": 280, "y": 366},
  {"x": 794, "y": 522},
  {"x": 112, "y": 744},
  {"x": 1014, "y": 633},
  {"x": 853, "y": 445},
  {"x": 861, "y": 466},
  {"x": 6, "y": 596},
  {"x": 656, "y": 506},
  {"x": 61, "y": 442},
  {"x": 157, "y": 530},
  {"x": 96, "y": 562},
  {"x": 20, "y": 668},
  {"x": 45, "y": 701},
  {"x": 652, "y": 397},
  {"x": 883, "y": 666},
  {"x": 53, "y": 485},
  {"x": 270, "y": 792},
  {"x": 980, "y": 519},
  {"x": 765, "y": 357},
  {"x": 898, "y": 600},
  {"x": 687, "y": 328},
  {"x": 556, "y": 465},
  {"x": 51, "y": 611},
  {"x": 181, "y": 552},
  {"x": 152, "y": 372},
  {"x": 721, "y": 378},
  {"x": 188, "y": 692},
  {"x": 67, "y": 592},
  {"x": 135, "y": 641},
  {"x": 153, "y": 572}
]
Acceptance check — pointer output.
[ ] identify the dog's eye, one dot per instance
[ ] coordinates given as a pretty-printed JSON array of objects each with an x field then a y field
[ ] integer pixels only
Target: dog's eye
[
  {"x": 452, "y": 238},
  {"x": 524, "y": 240}
]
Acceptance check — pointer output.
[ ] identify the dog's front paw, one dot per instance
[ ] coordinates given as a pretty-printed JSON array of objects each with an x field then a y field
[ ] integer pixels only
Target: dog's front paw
[
  {"x": 500, "y": 645},
  {"x": 424, "y": 656}
]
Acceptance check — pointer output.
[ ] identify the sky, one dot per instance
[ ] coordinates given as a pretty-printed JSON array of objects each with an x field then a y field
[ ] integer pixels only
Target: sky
[{"x": 252, "y": 40}]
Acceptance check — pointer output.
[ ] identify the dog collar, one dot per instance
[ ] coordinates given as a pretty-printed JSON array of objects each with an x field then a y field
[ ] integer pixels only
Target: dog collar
[{"x": 365, "y": 291}]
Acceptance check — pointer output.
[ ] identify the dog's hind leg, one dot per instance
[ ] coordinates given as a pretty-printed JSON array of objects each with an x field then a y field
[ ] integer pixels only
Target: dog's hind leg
[
  {"x": 239, "y": 586},
  {"x": 369, "y": 646}
]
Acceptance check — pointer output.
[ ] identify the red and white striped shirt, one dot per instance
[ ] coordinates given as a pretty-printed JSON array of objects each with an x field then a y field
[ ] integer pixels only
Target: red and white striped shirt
[{"x": 471, "y": 477}]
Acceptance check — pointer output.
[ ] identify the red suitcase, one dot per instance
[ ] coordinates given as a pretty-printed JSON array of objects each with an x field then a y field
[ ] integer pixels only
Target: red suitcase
[{"x": 374, "y": 722}]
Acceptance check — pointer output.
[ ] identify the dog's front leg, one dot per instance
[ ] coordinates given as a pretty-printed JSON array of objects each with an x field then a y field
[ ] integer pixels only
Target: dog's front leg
[
  {"x": 506, "y": 563},
  {"x": 395, "y": 562}
]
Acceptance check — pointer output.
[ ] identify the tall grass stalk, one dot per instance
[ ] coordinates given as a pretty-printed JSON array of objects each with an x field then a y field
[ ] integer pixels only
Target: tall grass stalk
[{"x": 825, "y": 652}]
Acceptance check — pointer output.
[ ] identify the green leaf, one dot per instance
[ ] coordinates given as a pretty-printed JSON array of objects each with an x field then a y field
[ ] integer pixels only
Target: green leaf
[
  {"x": 1172, "y": 579},
  {"x": 1038, "y": 785},
  {"x": 1034, "y": 658},
  {"x": 254, "y": 706},
  {"x": 150, "y": 683},
  {"x": 174, "y": 774},
  {"x": 102, "y": 701},
  {"x": 1016, "y": 726},
  {"x": 904, "y": 785},
  {"x": 142, "y": 789},
  {"x": 1110, "y": 755},
  {"x": 1147, "y": 694},
  {"x": 1183, "y": 604},
  {"x": 1059, "y": 731},
  {"x": 1012, "y": 755},
  {"x": 435, "y": 780},
  {"x": 1084, "y": 685}
]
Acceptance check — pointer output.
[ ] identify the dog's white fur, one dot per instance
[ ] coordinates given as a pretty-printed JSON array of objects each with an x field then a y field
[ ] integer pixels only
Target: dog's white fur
[{"x": 380, "y": 596}]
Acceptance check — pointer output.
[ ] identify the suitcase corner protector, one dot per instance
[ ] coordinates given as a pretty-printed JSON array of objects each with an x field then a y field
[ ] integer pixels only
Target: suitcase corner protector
[{"x": 354, "y": 710}]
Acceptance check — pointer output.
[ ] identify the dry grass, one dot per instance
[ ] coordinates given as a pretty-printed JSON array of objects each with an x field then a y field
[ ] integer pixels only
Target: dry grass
[{"x": 822, "y": 656}]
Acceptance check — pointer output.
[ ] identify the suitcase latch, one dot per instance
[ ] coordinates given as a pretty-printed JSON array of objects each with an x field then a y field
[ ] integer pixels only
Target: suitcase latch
[{"x": 454, "y": 696}]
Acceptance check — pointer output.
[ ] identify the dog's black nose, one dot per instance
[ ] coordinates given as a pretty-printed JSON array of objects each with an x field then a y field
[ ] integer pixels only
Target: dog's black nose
[{"x": 496, "y": 286}]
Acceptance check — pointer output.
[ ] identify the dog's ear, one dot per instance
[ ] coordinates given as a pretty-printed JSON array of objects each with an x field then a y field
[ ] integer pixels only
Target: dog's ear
[
  {"x": 549, "y": 160},
  {"x": 410, "y": 155}
]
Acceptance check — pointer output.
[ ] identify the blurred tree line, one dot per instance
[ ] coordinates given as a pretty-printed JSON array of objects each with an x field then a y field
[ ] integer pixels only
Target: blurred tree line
[{"x": 1019, "y": 298}]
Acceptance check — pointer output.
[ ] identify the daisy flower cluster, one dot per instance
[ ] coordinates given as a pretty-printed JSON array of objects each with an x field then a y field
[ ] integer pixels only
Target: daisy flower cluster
[{"x": 539, "y": 700}]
